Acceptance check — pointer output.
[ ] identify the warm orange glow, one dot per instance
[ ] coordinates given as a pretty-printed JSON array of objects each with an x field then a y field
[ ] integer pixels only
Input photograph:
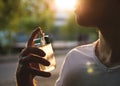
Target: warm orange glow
[{"x": 65, "y": 4}]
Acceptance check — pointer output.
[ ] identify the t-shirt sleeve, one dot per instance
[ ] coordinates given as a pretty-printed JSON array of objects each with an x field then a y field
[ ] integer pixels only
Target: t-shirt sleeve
[{"x": 63, "y": 73}]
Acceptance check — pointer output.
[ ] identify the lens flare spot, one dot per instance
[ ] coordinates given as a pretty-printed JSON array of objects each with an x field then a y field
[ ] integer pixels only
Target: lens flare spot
[
  {"x": 90, "y": 70},
  {"x": 88, "y": 63}
]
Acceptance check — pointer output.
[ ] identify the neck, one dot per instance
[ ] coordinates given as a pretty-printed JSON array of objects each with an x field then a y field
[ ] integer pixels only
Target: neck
[{"x": 108, "y": 48}]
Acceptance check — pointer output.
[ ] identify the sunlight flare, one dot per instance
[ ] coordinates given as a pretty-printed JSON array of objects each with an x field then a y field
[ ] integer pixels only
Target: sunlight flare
[{"x": 65, "y": 4}]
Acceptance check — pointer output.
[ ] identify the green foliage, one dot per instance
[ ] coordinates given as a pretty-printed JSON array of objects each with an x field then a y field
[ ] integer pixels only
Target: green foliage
[
  {"x": 24, "y": 15},
  {"x": 36, "y": 13},
  {"x": 10, "y": 11},
  {"x": 9, "y": 14}
]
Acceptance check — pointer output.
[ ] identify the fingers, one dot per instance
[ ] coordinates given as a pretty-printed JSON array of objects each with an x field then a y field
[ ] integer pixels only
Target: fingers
[
  {"x": 33, "y": 36},
  {"x": 32, "y": 50},
  {"x": 32, "y": 55},
  {"x": 34, "y": 59},
  {"x": 26, "y": 71},
  {"x": 40, "y": 73},
  {"x": 26, "y": 64}
]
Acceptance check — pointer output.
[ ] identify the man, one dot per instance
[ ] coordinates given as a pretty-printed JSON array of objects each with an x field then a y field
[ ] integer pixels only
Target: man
[{"x": 95, "y": 64}]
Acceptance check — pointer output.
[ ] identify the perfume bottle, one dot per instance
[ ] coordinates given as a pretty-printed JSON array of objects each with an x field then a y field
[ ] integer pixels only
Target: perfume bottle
[{"x": 43, "y": 42}]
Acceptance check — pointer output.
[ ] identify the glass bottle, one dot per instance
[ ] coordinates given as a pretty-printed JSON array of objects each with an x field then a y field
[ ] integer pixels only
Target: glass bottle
[{"x": 43, "y": 42}]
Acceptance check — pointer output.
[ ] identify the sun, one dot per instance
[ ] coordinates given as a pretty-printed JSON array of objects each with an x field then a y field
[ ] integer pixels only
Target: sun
[{"x": 65, "y": 4}]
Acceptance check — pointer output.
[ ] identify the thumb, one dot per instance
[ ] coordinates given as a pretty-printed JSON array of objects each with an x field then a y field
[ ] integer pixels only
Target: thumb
[{"x": 33, "y": 36}]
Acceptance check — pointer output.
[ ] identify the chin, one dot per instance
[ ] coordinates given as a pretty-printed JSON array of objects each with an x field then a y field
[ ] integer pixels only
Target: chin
[
  {"x": 83, "y": 22},
  {"x": 86, "y": 22}
]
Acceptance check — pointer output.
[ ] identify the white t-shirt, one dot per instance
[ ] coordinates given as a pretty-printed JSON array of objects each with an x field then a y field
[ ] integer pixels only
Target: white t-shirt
[{"x": 82, "y": 68}]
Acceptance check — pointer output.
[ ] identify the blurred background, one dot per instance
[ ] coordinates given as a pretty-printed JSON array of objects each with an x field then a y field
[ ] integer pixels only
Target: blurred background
[{"x": 18, "y": 18}]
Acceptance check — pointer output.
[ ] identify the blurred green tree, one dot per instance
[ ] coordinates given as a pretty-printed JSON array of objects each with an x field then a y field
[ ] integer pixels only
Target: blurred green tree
[
  {"x": 37, "y": 13},
  {"x": 10, "y": 11},
  {"x": 9, "y": 14},
  {"x": 25, "y": 15}
]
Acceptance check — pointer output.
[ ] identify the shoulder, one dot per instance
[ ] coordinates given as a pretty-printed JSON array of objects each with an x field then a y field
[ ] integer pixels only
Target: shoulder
[
  {"x": 81, "y": 54},
  {"x": 76, "y": 59},
  {"x": 86, "y": 50}
]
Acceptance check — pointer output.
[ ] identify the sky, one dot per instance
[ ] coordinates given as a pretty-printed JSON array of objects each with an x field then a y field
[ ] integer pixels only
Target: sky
[{"x": 65, "y": 5}]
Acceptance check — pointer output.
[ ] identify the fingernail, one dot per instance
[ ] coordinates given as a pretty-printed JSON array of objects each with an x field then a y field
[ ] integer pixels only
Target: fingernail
[
  {"x": 48, "y": 63},
  {"x": 48, "y": 74}
]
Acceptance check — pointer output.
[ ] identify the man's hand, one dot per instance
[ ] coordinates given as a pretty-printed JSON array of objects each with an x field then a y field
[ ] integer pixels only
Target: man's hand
[{"x": 28, "y": 66}]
